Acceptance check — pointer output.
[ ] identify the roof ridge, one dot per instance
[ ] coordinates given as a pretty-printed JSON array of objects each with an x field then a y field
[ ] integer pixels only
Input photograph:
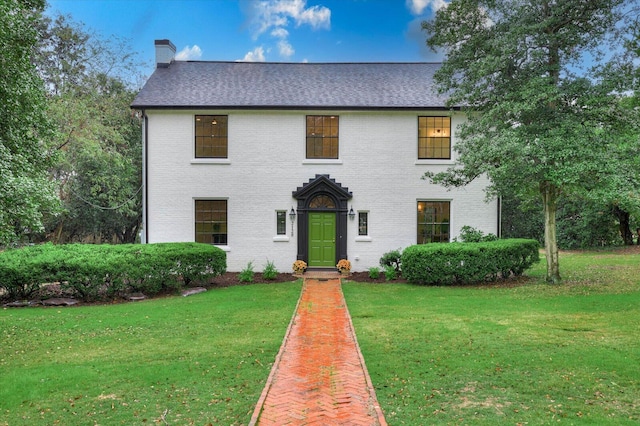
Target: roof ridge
[{"x": 308, "y": 63}]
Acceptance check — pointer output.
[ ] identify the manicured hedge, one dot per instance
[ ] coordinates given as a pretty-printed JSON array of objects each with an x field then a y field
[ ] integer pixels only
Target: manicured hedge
[
  {"x": 466, "y": 263},
  {"x": 94, "y": 272}
]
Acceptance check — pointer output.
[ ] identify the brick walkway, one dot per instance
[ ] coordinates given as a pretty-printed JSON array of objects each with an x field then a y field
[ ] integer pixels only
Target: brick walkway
[{"x": 319, "y": 377}]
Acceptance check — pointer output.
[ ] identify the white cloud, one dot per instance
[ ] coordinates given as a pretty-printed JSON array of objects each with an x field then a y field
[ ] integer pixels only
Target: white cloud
[
  {"x": 274, "y": 16},
  {"x": 280, "y": 33},
  {"x": 285, "y": 49},
  {"x": 316, "y": 16},
  {"x": 189, "y": 53},
  {"x": 267, "y": 14},
  {"x": 417, "y": 7},
  {"x": 256, "y": 55}
]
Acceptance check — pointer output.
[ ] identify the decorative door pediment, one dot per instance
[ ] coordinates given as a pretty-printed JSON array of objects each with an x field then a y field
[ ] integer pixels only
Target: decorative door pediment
[{"x": 324, "y": 194}]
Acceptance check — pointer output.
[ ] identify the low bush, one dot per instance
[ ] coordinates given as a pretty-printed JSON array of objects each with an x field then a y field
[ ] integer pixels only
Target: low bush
[
  {"x": 374, "y": 273},
  {"x": 270, "y": 271},
  {"x": 94, "y": 272},
  {"x": 390, "y": 273},
  {"x": 246, "y": 275},
  {"x": 469, "y": 234},
  {"x": 466, "y": 263},
  {"x": 392, "y": 258},
  {"x": 20, "y": 273}
]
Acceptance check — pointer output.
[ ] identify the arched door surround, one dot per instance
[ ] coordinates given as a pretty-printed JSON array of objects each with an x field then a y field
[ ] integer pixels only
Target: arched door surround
[{"x": 322, "y": 195}]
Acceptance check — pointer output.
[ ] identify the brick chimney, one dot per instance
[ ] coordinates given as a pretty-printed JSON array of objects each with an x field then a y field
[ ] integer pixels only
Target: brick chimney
[{"x": 165, "y": 53}]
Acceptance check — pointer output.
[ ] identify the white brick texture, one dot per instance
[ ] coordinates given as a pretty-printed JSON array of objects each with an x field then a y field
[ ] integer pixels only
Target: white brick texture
[{"x": 266, "y": 163}]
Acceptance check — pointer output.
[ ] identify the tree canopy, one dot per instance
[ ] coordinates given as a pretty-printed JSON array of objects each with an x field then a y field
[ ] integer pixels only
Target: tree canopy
[
  {"x": 542, "y": 83},
  {"x": 70, "y": 147},
  {"x": 27, "y": 194},
  {"x": 99, "y": 171}
]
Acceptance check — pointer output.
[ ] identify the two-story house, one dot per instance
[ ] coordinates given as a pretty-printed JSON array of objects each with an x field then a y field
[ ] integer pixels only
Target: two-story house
[{"x": 311, "y": 161}]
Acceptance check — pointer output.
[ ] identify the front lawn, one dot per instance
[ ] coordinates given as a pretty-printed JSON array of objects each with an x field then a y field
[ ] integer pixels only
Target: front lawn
[
  {"x": 528, "y": 353},
  {"x": 178, "y": 360},
  {"x": 499, "y": 354}
]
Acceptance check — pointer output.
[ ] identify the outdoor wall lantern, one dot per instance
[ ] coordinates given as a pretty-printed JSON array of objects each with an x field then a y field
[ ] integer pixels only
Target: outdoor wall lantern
[
  {"x": 292, "y": 217},
  {"x": 352, "y": 214}
]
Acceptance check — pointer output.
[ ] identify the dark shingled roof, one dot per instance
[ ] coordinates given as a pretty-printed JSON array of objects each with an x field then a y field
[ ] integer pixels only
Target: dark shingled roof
[{"x": 250, "y": 85}]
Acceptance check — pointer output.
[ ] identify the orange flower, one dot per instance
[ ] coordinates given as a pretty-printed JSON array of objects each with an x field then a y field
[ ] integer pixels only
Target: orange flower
[
  {"x": 343, "y": 265},
  {"x": 299, "y": 266}
]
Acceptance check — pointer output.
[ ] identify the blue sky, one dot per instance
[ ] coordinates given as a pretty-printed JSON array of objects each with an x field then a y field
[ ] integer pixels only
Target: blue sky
[{"x": 264, "y": 30}]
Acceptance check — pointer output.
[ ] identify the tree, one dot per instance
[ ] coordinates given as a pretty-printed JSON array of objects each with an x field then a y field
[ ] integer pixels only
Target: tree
[
  {"x": 543, "y": 105},
  {"x": 100, "y": 167},
  {"x": 100, "y": 164},
  {"x": 603, "y": 212},
  {"x": 61, "y": 55},
  {"x": 621, "y": 192},
  {"x": 582, "y": 221},
  {"x": 27, "y": 193}
]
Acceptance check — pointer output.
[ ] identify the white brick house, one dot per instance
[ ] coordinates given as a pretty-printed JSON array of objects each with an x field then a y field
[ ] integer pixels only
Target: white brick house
[{"x": 233, "y": 150}]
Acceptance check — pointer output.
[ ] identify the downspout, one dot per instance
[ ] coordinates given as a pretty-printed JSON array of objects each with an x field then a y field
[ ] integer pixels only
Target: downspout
[
  {"x": 499, "y": 229},
  {"x": 145, "y": 194}
]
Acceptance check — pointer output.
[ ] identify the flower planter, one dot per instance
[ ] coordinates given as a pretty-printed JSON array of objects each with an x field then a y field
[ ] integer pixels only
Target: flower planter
[
  {"x": 299, "y": 268},
  {"x": 344, "y": 267}
]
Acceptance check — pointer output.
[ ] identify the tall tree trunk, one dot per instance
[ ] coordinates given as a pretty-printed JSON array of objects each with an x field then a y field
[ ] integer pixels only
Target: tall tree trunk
[
  {"x": 624, "y": 225},
  {"x": 550, "y": 194},
  {"x": 57, "y": 237},
  {"x": 130, "y": 233}
]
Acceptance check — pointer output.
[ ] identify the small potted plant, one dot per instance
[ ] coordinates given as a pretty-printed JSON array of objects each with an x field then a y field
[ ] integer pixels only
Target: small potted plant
[
  {"x": 344, "y": 266},
  {"x": 299, "y": 266}
]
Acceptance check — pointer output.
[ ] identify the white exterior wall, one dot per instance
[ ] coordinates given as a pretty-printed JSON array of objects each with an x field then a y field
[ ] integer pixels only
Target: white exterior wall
[{"x": 266, "y": 163}]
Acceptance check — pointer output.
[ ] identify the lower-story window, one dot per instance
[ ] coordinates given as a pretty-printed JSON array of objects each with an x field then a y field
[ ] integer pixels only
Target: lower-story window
[
  {"x": 433, "y": 221},
  {"x": 211, "y": 222},
  {"x": 363, "y": 223},
  {"x": 281, "y": 222}
]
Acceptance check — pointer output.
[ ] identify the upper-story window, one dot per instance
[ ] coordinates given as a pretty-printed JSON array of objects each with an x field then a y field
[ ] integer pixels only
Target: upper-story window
[
  {"x": 211, "y": 136},
  {"x": 434, "y": 138},
  {"x": 322, "y": 136}
]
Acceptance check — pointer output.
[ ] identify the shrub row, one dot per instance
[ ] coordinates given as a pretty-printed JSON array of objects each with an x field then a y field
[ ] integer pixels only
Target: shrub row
[
  {"x": 98, "y": 272},
  {"x": 466, "y": 263}
]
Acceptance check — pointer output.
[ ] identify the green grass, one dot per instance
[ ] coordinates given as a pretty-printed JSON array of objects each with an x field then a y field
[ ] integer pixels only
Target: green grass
[
  {"x": 525, "y": 354},
  {"x": 181, "y": 360},
  {"x": 529, "y": 353}
]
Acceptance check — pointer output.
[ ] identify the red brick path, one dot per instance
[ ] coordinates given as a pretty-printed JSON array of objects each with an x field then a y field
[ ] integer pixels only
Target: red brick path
[{"x": 319, "y": 377}]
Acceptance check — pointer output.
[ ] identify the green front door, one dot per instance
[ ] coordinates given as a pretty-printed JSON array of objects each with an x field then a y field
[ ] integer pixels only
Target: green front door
[{"x": 322, "y": 240}]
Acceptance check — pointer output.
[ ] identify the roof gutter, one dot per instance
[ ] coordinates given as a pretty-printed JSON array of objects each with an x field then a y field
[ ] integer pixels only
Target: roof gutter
[{"x": 297, "y": 108}]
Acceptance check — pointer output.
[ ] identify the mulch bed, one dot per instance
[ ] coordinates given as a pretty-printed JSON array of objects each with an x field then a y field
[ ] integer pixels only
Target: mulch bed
[
  {"x": 229, "y": 279},
  {"x": 363, "y": 277}
]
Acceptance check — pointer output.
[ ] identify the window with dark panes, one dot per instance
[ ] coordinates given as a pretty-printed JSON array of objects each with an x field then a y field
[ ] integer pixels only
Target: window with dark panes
[
  {"x": 281, "y": 222},
  {"x": 433, "y": 222},
  {"x": 211, "y": 136},
  {"x": 322, "y": 136},
  {"x": 211, "y": 222},
  {"x": 363, "y": 223},
  {"x": 434, "y": 138}
]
